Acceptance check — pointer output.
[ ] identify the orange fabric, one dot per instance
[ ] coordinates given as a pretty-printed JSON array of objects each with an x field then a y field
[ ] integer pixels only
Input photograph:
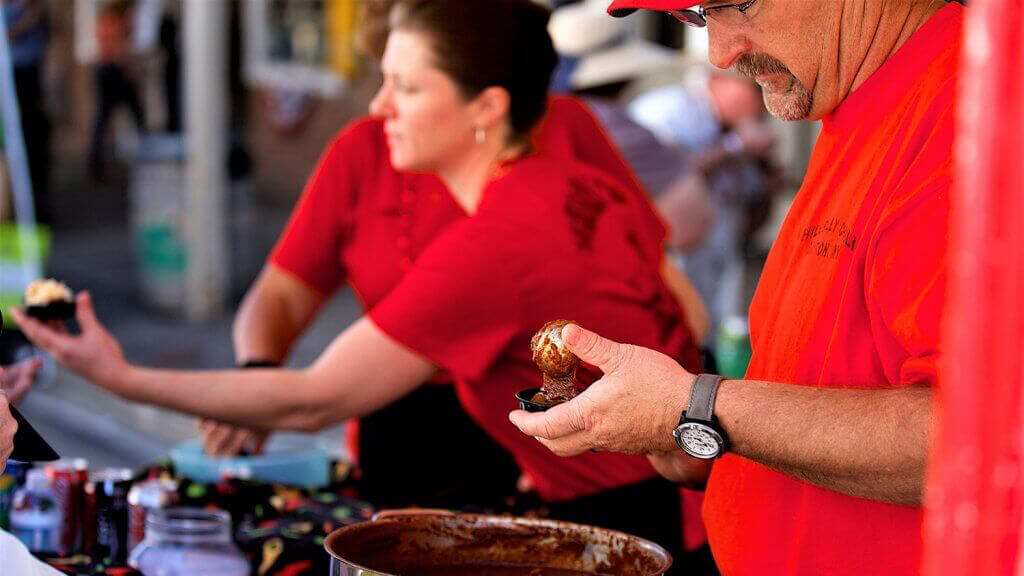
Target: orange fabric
[{"x": 851, "y": 297}]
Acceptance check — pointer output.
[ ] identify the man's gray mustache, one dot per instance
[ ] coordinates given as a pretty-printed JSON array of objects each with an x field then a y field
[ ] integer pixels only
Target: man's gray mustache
[{"x": 753, "y": 65}]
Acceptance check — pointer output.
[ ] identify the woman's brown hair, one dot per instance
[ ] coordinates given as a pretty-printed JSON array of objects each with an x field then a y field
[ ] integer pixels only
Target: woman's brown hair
[{"x": 484, "y": 43}]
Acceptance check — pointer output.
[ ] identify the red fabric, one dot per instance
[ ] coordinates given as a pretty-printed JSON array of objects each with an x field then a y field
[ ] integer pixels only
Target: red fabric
[
  {"x": 851, "y": 297},
  {"x": 976, "y": 490},
  {"x": 551, "y": 239},
  {"x": 360, "y": 221},
  {"x": 626, "y": 7},
  {"x": 694, "y": 534},
  {"x": 111, "y": 36}
]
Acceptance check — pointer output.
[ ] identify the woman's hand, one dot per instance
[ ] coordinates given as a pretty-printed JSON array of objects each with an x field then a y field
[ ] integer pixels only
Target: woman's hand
[
  {"x": 16, "y": 379},
  {"x": 92, "y": 354},
  {"x": 226, "y": 440}
]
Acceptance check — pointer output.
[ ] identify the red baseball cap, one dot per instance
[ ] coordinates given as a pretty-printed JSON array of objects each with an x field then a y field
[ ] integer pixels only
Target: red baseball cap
[{"x": 620, "y": 8}]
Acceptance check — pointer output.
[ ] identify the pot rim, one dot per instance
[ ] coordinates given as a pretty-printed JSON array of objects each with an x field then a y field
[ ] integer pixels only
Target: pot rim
[{"x": 393, "y": 515}]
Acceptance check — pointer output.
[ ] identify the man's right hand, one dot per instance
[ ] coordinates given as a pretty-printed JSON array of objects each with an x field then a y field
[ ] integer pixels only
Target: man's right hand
[
  {"x": 8, "y": 426},
  {"x": 224, "y": 440}
]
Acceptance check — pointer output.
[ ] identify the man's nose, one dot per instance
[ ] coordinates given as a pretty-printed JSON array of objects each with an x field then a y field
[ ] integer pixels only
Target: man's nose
[{"x": 725, "y": 46}]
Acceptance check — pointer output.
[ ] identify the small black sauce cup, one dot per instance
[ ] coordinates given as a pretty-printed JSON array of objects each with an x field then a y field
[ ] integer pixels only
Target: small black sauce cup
[{"x": 526, "y": 402}]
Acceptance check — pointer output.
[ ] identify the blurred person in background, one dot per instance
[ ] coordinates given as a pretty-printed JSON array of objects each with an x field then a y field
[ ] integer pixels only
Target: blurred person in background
[
  {"x": 114, "y": 85},
  {"x": 28, "y": 34},
  {"x": 363, "y": 223},
  {"x": 464, "y": 84},
  {"x": 718, "y": 119},
  {"x": 599, "y": 60}
]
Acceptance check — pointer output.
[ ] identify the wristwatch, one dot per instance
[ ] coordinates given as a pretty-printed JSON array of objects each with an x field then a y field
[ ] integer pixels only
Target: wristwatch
[{"x": 698, "y": 433}]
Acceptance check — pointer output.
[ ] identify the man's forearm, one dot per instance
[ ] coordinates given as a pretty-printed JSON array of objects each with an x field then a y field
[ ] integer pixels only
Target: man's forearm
[{"x": 867, "y": 443}]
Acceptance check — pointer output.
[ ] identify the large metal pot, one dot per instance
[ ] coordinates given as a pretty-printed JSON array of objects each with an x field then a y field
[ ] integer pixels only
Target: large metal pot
[{"x": 431, "y": 543}]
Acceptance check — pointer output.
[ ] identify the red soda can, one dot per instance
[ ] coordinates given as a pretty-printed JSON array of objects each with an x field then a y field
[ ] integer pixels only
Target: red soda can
[
  {"x": 143, "y": 498},
  {"x": 68, "y": 478},
  {"x": 106, "y": 496},
  {"x": 88, "y": 524}
]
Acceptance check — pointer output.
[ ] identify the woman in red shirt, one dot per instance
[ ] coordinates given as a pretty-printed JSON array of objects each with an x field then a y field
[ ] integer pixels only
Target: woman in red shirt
[
  {"x": 363, "y": 223},
  {"x": 542, "y": 239}
]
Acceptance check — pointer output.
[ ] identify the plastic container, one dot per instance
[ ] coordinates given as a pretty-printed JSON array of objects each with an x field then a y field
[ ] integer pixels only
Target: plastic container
[
  {"x": 188, "y": 542},
  {"x": 291, "y": 459},
  {"x": 36, "y": 517},
  {"x": 732, "y": 349},
  {"x": 23, "y": 251}
]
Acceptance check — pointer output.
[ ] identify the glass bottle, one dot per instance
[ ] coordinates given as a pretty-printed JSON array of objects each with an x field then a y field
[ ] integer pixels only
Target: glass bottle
[
  {"x": 188, "y": 542},
  {"x": 35, "y": 514}
]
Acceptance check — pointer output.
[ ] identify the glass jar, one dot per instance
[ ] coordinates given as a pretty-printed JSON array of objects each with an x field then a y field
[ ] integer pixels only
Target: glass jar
[{"x": 188, "y": 542}]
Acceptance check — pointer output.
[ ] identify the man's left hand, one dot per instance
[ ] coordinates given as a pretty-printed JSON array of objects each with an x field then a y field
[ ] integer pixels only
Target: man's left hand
[{"x": 633, "y": 408}]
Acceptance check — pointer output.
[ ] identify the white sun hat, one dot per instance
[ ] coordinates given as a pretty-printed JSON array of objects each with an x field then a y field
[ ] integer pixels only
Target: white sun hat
[{"x": 599, "y": 49}]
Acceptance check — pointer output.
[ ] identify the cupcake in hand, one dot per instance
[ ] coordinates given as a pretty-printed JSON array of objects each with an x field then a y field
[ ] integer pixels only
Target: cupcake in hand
[{"x": 49, "y": 300}]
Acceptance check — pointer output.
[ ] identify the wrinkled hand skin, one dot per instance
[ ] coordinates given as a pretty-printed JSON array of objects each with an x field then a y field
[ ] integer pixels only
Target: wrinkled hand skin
[
  {"x": 632, "y": 408},
  {"x": 8, "y": 426},
  {"x": 556, "y": 362}
]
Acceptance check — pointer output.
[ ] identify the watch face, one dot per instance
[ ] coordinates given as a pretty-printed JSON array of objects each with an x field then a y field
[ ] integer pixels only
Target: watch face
[{"x": 699, "y": 440}]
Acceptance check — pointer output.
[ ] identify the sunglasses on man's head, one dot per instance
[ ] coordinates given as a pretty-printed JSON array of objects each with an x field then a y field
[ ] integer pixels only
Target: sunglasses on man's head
[{"x": 728, "y": 14}]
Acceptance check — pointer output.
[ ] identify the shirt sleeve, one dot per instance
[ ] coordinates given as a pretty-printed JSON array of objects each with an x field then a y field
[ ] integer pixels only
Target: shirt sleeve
[
  {"x": 459, "y": 306},
  {"x": 312, "y": 241},
  {"x": 18, "y": 560},
  {"x": 906, "y": 287}
]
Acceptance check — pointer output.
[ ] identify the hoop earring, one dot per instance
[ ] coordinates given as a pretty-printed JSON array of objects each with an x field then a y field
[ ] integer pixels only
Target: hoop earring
[{"x": 481, "y": 135}]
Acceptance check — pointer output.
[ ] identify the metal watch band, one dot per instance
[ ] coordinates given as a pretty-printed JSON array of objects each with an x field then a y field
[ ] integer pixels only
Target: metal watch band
[{"x": 702, "y": 397}]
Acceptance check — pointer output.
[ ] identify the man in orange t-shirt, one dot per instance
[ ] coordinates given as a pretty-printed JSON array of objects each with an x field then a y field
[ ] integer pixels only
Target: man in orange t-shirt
[{"x": 825, "y": 441}]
